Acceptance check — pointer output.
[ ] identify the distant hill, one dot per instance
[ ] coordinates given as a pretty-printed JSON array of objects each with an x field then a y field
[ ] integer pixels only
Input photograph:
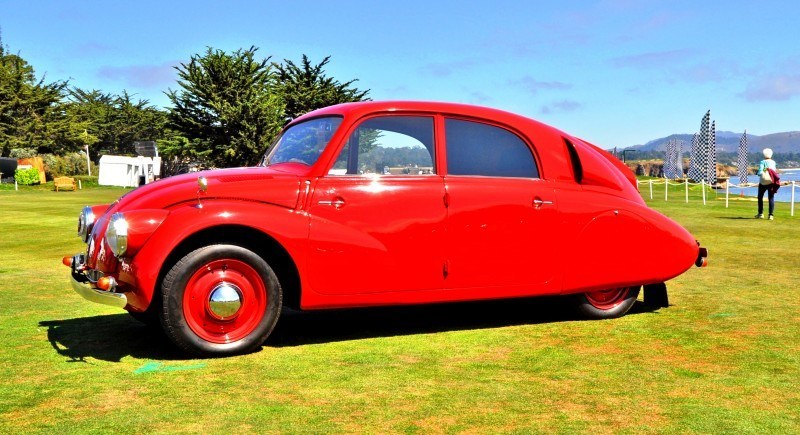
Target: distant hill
[{"x": 787, "y": 142}]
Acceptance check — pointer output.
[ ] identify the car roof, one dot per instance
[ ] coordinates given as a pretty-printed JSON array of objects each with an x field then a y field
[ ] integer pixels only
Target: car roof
[{"x": 359, "y": 109}]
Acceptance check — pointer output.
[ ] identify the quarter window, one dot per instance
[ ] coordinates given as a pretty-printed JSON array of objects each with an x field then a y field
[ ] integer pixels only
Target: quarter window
[
  {"x": 480, "y": 149},
  {"x": 388, "y": 145}
]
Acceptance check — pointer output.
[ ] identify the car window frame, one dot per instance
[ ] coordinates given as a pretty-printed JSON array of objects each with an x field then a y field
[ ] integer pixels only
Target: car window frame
[
  {"x": 436, "y": 155},
  {"x": 516, "y": 132},
  {"x": 271, "y": 148}
]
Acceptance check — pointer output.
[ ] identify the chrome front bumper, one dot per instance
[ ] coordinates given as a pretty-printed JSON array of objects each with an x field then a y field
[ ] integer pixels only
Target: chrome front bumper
[{"x": 90, "y": 293}]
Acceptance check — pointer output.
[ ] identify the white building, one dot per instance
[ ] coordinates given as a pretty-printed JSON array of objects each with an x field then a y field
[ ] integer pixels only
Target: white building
[{"x": 126, "y": 171}]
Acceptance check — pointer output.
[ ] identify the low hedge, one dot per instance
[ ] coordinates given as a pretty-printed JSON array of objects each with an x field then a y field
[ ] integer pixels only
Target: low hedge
[
  {"x": 27, "y": 177},
  {"x": 86, "y": 178}
]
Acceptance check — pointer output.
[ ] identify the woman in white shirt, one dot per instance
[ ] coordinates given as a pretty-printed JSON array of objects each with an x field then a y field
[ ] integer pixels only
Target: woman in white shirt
[{"x": 765, "y": 181}]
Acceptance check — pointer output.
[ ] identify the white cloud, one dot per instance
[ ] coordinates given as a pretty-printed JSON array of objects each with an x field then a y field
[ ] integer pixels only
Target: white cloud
[
  {"x": 444, "y": 69},
  {"x": 560, "y": 106},
  {"x": 779, "y": 87},
  {"x": 533, "y": 86},
  {"x": 655, "y": 59},
  {"x": 144, "y": 76}
]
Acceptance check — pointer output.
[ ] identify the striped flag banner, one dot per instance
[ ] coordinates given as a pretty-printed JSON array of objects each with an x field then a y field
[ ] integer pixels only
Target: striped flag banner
[
  {"x": 669, "y": 160},
  {"x": 741, "y": 161},
  {"x": 712, "y": 153},
  {"x": 702, "y": 148},
  {"x": 694, "y": 158}
]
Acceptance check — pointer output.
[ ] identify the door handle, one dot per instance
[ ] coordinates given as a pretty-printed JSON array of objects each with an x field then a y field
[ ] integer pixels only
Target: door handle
[
  {"x": 539, "y": 202},
  {"x": 336, "y": 203}
]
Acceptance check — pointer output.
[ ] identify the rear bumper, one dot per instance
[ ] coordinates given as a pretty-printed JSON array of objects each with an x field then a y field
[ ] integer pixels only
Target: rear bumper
[
  {"x": 85, "y": 289},
  {"x": 702, "y": 257}
]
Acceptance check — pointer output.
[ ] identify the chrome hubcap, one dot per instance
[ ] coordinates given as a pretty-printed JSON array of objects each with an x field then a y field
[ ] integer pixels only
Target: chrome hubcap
[{"x": 225, "y": 301}]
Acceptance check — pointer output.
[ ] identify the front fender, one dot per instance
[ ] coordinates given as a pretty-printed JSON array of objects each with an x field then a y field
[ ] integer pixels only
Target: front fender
[{"x": 287, "y": 226}]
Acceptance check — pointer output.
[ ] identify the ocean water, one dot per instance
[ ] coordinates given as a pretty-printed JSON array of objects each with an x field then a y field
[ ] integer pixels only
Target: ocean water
[{"x": 784, "y": 194}]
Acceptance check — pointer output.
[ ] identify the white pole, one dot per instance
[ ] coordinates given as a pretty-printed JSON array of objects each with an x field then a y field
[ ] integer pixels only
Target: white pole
[
  {"x": 80, "y": 186},
  {"x": 88, "y": 163},
  {"x": 651, "y": 189},
  {"x": 15, "y": 185},
  {"x": 686, "y": 185},
  {"x": 727, "y": 191},
  {"x": 793, "y": 197},
  {"x": 703, "y": 186}
]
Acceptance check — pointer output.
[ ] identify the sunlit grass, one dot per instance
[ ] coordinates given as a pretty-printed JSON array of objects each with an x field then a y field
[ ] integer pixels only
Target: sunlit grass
[{"x": 724, "y": 357}]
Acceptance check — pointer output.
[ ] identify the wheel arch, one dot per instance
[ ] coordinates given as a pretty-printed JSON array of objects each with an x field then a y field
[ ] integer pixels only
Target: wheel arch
[{"x": 250, "y": 238}]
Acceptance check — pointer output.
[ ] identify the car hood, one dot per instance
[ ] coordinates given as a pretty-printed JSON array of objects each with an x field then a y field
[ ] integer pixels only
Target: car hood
[{"x": 258, "y": 184}]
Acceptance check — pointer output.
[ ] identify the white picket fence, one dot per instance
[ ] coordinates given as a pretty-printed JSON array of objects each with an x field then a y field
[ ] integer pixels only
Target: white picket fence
[{"x": 705, "y": 186}]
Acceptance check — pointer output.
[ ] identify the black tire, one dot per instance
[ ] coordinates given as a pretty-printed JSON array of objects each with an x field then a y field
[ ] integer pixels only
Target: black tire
[
  {"x": 187, "y": 313},
  {"x": 606, "y": 304}
]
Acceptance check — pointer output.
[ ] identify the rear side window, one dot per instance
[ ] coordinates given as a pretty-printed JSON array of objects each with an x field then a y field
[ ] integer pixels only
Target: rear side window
[{"x": 474, "y": 148}]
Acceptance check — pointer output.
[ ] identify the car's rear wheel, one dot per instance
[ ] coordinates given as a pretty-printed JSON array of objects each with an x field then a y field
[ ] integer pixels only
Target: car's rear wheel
[
  {"x": 220, "y": 300},
  {"x": 607, "y": 304}
]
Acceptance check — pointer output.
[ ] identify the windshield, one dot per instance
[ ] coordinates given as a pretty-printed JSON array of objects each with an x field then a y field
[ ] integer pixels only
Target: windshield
[{"x": 304, "y": 142}]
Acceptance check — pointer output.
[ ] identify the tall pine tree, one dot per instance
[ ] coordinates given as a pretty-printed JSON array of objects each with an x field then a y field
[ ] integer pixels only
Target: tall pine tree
[
  {"x": 29, "y": 108},
  {"x": 113, "y": 122},
  {"x": 305, "y": 87},
  {"x": 226, "y": 108}
]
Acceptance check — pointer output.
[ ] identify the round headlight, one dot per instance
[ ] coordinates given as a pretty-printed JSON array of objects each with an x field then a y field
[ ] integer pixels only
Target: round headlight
[
  {"x": 85, "y": 222},
  {"x": 117, "y": 235}
]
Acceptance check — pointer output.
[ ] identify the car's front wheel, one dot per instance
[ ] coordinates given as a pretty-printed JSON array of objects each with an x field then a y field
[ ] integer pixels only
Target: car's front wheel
[
  {"x": 607, "y": 304},
  {"x": 220, "y": 300}
]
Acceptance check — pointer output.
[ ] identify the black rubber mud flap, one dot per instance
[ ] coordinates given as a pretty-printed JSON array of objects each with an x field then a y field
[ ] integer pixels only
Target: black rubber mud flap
[{"x": 655, "y": 295}]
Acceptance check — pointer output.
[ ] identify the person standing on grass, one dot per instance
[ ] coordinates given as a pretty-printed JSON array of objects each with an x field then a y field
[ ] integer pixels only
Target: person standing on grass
[{"x": 767, "y": 171}]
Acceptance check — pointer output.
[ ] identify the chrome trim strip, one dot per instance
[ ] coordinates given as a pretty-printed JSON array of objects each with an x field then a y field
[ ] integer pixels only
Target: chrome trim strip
[
  {"x": 98, "y": 296},
  {"x": 336, "y": 203}
]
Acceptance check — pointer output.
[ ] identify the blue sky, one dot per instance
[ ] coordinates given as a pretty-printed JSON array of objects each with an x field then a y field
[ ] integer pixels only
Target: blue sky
[{"x": 615, "y": 72}]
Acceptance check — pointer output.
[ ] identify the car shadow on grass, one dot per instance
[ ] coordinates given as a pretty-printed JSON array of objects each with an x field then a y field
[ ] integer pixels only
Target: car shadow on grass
[
  {"x": 296, "y": 328},
  {"x": 113, "y": 337},
  {"x": 108, "y": 338}
]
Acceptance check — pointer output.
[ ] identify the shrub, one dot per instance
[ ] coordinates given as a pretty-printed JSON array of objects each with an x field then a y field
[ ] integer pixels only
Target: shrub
[
  {"x": 22, "y": 153},
  {"x": 27, "y": 177},
  {"x": 86, "y": 180},
  {"x": 66, "y": 165},
  {"x": 49, "y": 163}
]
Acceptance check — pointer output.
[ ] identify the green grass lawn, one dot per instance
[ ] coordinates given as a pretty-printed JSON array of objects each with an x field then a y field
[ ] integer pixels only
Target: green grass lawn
[{"x": 724, "y": 357}]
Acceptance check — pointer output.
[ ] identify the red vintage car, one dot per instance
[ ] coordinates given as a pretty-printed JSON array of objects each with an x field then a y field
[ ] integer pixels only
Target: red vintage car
[{"x": 380, "y": 203}]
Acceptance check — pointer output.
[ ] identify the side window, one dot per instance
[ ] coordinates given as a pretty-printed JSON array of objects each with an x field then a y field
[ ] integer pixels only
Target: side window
[
  {"x": 388, "y": 145},
  {"x": 481, "y": 149}
]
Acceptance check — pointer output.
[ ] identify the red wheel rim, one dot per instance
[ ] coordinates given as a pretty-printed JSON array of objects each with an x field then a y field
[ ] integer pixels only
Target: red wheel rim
[
  {"x": 607, "y": 299},
  {"x": 202, "y": 283}
]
